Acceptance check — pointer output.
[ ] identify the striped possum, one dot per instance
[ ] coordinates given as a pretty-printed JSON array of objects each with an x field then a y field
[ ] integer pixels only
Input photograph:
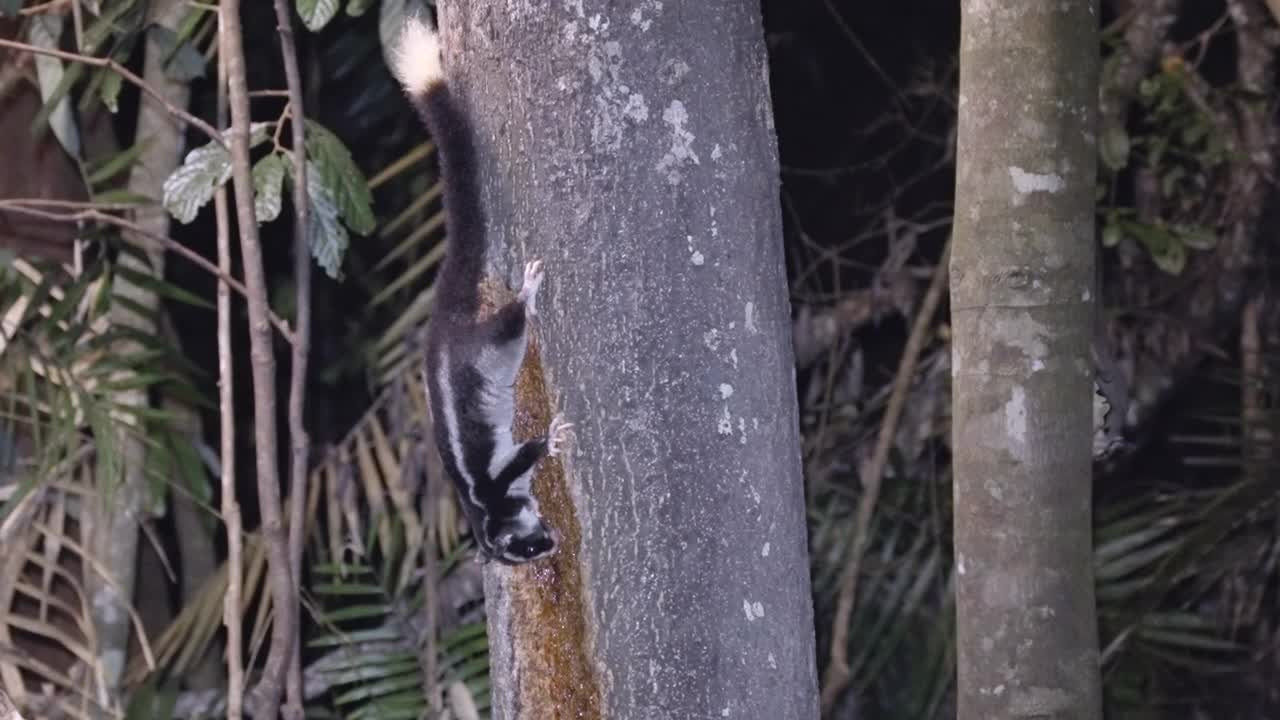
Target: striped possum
[{"x": 471, "y": 364}]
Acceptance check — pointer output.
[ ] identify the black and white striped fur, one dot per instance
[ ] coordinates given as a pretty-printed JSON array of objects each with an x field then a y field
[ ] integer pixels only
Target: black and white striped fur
[{"x": 471, "y": 364}]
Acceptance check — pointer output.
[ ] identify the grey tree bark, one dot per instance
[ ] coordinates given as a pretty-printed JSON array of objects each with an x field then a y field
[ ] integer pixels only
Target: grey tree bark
[
  {"x": 1022, "y": 298},
  {"x": 630, "y": 145}
]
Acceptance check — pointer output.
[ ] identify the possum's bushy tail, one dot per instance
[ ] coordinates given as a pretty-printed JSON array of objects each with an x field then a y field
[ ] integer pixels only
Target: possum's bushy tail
[{"x": 417, "y": 64}]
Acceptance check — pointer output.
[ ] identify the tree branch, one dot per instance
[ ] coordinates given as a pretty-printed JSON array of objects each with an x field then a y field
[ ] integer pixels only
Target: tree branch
[
  {"x": 837, "y": 675},
  {"x": 125, "y": 73},
  {"x": 231, "y": 616},
  {"x": 283, "y": 589},
  {"x": 301, "y": 443}
]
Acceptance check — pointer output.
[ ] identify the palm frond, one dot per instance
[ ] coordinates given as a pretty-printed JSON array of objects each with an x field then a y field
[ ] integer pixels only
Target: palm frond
[{"x": 60, "y": 372}]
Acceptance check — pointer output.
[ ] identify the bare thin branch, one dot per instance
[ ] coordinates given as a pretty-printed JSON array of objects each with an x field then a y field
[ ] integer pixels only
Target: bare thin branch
[
  {"x": 125, "y": 73},
  {"x": 231, "y": 616},
  {"x": 301, "y": 443},
  {"x": 837, "y": 675},
  {"x": 283, "y": 589}
]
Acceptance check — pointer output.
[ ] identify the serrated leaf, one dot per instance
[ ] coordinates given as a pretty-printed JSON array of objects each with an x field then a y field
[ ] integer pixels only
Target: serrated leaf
[
  {"x": 317, "y": 13},
  {"x": 325, "y": 234},
  {"x": 44, "y": 32},
  {"x": 268, "y": 179},
  {"x": 342, "y": 176},
  {"x": 191, "y": 185},
  {"x": 183, "y": 62}
]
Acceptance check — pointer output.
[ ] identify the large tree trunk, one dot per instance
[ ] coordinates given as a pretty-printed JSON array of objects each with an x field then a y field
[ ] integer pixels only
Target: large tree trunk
[
  {"x": 631, "y": 147},
  {"x": 1022, "y": 298}
]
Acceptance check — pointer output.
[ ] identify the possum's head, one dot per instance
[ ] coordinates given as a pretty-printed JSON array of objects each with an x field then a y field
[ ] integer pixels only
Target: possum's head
[{"x": 525, "y": 537}]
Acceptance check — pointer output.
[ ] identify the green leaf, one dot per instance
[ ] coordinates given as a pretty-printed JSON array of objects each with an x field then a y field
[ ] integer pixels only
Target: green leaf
[
  {"x": 162, "y": 288},
  {"x": 1149, "y": 88},
  {"x": 44, "y": 32},
  {"x": 183, "y": 62},
  {"x": 1174, "y": 258},
  {"x": 1197, "y": 130},
  {"x": 317, "y": 13},
  {"x": 356, "y": 612},
  {"x": 342, "y": 176},
  {"x": 1167, "y": 251},
  {"x": 268, "y": 178},
  {"x": 1115, "y": 147},
  {"x": 1155, "y": 152},
  {"x": 349, "y": 589},
  {"x": 110, "y": 22},
  {"x": 104, "y": 84},
  {"x": 110, "y": 90},
  {"x": 356, "y": 8},
  {"x": 1169, "y": 180},
  {"x": 195, "y": 19},
  {"x": 1111, "y": 235},
  {"x": 191, "y": 185},
  {"x": 101, "y": 171},
  {"x": 326, "y": 236},
  {"x": 1198, "y": 237}
]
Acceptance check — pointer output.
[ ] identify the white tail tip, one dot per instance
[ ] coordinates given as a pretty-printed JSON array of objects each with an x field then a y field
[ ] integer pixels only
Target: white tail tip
[{"x": 416, "y": 60}]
